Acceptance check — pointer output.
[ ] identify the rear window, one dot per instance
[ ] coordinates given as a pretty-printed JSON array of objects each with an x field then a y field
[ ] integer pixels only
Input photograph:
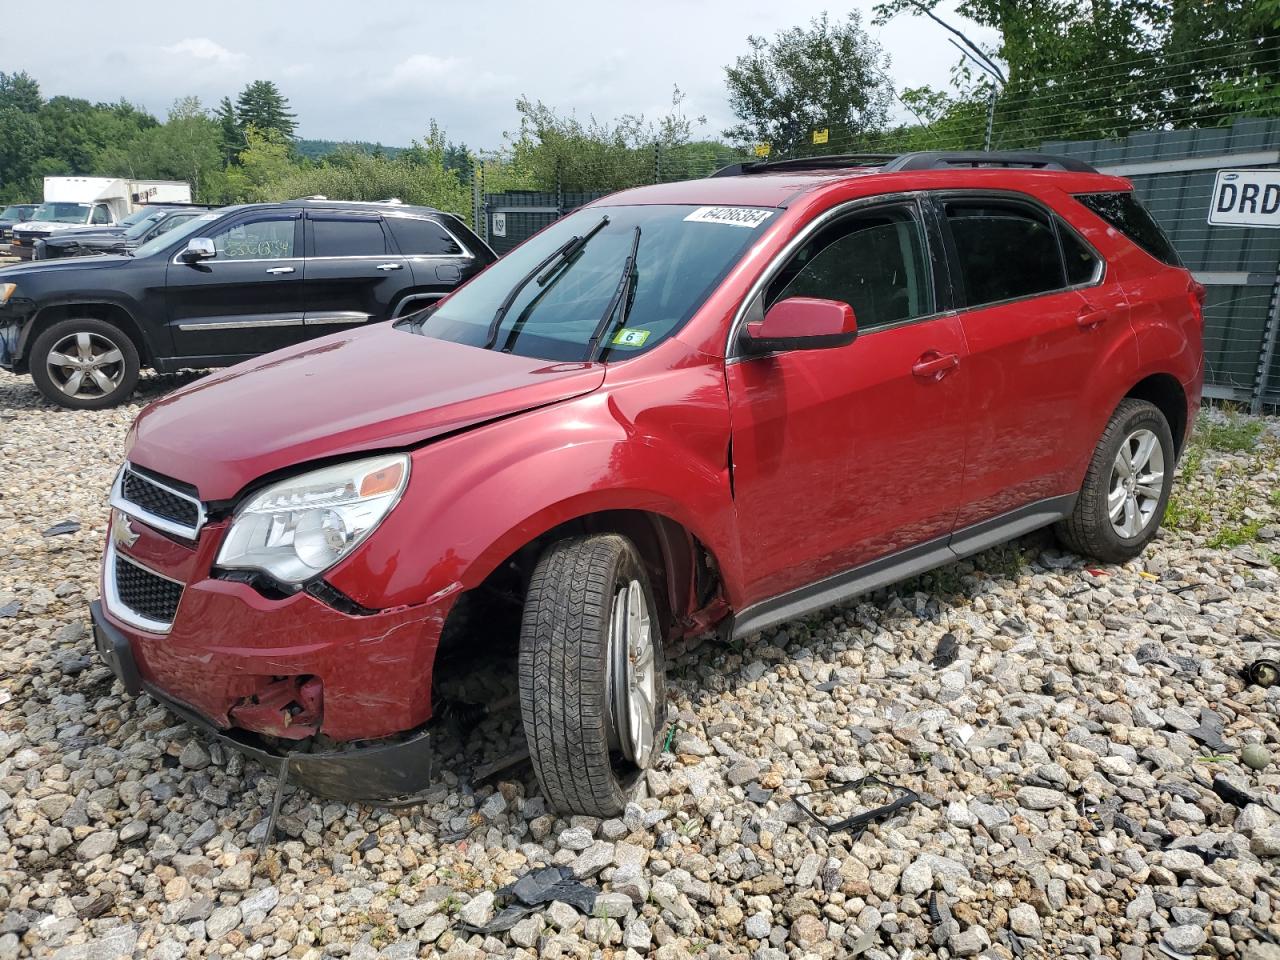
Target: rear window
[
  {"x": 1127, "y": 214},
  {"x": 1006, "y": 251},
  {"x": 422, "y": 238},
  {"x": 347, "y": 237}
]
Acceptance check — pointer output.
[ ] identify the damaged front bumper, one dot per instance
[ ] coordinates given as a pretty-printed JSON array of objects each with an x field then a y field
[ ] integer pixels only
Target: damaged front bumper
[{"x": 385, "y": 770}]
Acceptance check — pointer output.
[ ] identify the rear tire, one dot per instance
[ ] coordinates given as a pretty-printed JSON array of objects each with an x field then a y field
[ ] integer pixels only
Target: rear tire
[
  {"x": 584, "y": 685},
  {"x": 1126, "y": 487},
  {"x": 84, "y": 363}
]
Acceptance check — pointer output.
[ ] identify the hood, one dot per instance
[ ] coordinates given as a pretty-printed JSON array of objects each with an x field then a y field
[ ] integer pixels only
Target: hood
[
  {"x": 92, "y": 233},
  {"x": 46, "y": 226},
  {"x": 16, "y": 272},
  {"x": 372, "y": 389}
]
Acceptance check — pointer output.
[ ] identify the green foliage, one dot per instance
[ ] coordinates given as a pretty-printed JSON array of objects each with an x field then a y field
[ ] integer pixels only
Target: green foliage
[
  {"x": 829, "y": 75},
  {"x": 186, "y": 147},
  {"x": 263, "y": 107},
  {"x": 1232, "y": 435},
  {"x": 417, "y": 175}
]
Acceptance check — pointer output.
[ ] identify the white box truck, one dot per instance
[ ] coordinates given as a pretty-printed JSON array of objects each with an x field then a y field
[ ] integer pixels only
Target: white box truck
[{"x": 71, "y": 202}]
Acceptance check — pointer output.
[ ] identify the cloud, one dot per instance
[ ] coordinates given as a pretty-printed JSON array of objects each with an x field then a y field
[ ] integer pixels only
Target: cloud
[
  {"x": 423, "y": 68},
  {"x": 202, "y": 48}
]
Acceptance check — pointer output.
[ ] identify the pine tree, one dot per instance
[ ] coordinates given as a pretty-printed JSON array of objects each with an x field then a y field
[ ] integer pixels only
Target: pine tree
[
  {"x": 262, "y": 106},
  {"x": 231, "y": 138}
]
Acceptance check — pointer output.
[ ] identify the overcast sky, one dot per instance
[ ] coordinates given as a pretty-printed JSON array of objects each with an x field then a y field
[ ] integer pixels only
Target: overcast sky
[{"x": 379, "y": 71}]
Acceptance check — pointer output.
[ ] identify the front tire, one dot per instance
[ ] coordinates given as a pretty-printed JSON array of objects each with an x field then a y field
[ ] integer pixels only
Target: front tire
[
  {"x": 84, "y": 363},
  {"x": 592, "y": 682},
  {"x": 1126, "y": 488}
]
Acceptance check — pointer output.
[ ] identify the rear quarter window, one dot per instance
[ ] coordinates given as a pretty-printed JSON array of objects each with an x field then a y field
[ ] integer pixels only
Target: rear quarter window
[
  {"x": 1126, "y": 213},
  {"x": 422, "y": 238}
]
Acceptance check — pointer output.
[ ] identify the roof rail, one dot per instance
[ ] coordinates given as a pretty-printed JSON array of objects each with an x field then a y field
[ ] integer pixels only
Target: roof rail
[
  {"x": 946, "y": 159},
  {"x": 821, "y": 162}
]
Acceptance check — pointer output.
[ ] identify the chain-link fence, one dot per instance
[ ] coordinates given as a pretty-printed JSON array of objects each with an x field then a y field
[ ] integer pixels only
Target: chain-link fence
[{"x": 1168, "y": 125}]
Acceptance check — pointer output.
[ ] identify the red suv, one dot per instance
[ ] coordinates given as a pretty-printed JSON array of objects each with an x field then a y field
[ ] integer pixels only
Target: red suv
[{"x": 728, "y": 401}]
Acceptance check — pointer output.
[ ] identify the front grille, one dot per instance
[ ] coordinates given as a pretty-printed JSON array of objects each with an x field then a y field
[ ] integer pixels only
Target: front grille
[
  {"x": 158, "y": 500},
  {"x": 145, "y": 593}
]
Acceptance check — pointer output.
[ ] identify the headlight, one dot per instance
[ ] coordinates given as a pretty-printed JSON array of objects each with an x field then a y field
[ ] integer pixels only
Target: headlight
[
  {"x": 7, "y": 290},
  {"x": 301, "y": 527}
]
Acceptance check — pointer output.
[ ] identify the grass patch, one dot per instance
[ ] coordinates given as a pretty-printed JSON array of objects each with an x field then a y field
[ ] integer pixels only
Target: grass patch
[
  {"x": 1233, "y": 435},
  {"x": 1235, "y": 535}
]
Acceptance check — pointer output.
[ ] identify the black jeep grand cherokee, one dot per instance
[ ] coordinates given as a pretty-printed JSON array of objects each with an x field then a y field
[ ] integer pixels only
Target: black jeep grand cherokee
[{"x": 224, "y": 287}]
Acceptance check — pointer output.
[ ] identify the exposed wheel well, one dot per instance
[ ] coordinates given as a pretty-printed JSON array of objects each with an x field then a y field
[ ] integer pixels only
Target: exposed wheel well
[
  {"x": 1166, "y": 393},
  {"x": 683, "y": 573},
  {"x": 108, "y": 312}
]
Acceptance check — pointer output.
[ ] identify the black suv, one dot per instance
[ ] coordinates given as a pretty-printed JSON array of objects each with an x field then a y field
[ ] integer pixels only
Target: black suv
[
  {"x": 125, "y": 237},
  {"x": 224, "y": 287}
]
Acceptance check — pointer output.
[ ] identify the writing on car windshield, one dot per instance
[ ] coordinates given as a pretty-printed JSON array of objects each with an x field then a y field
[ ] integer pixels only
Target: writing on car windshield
[{"x": 591, "y": 287}]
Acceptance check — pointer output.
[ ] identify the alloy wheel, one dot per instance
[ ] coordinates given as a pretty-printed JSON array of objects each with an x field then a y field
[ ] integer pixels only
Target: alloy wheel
[
  {"x": 85, "y": 365},
  {"x": 1137, "y": 482},
  {"x": 633, "y": 678}
]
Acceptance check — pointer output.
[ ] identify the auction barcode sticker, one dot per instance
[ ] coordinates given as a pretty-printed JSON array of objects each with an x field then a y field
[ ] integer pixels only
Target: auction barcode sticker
[{"x": 748, "y": 217}]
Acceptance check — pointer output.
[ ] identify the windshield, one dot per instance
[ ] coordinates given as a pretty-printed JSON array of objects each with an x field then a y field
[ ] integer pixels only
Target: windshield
[
  {"x": 63, "y": 212},
  {"x": 140, "y": 226},
  {"x": 140, "y": 214},
  {"x": 683, "y": 254},
  {"x": 177, "y": 234}
]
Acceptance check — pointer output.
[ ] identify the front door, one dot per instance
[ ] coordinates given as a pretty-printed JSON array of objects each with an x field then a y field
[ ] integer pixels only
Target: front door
[
  {"x": 352, "y": 277},
  {"x": 845, "y": 455},
  {"x": 247, "y": 299}
]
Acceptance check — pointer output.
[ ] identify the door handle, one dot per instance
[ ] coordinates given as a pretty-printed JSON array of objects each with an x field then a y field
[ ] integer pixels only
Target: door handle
[
  {"x": 933, "y": 365},
  {"x": 279, "y": 270},
  {"x": 390, "y": 266},
  {"x": 1090, "y": 317}
]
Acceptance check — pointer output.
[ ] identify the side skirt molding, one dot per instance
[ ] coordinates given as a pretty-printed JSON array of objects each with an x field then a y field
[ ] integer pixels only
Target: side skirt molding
[{"x": 899, "y": 566}]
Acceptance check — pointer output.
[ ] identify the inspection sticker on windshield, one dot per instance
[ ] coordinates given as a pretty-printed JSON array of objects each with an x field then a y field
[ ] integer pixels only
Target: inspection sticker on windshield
[
  {"x": 630, "y": 337},
  {"x": 748, "y": 217}
]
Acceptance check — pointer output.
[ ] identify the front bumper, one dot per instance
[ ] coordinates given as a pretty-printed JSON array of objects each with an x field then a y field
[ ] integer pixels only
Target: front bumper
[{"x": 385, "y": 770}]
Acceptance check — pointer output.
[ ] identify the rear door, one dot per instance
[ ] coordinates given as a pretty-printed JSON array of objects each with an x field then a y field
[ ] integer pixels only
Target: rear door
[
  {"x": 353, "y": 276},
  {"x": 1039, "y": 322},
  {"x": 245, "y": 301},
  {"x": 438, "y": 259}
]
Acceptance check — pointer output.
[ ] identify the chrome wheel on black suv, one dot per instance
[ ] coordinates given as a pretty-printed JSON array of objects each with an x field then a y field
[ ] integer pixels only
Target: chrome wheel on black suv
[
  {"x": 84, "y": 363},
  {"x": 1126, "y": 488},
  {"x": 592, "y": 682}
]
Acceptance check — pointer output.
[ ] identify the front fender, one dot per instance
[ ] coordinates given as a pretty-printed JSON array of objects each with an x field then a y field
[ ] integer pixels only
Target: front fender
[{"x": 474, "y": 499}]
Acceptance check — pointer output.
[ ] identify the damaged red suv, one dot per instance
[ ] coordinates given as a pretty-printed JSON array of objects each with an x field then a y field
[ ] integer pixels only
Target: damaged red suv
[{"x": 725, "y": 402}]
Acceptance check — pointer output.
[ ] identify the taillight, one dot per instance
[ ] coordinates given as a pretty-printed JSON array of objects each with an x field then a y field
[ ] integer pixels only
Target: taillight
[{"x": 1196, "y": 294}]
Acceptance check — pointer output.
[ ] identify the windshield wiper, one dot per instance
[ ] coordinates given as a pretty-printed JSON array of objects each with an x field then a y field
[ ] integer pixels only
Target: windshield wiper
[
  {"x": 565, "y": 253},
  {"x": 621, "y": 298}
]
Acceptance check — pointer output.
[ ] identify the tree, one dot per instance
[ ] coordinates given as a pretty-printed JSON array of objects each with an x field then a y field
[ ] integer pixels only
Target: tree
[
  {"x": 185, "y": 147},
  {"x": 831, "y": 75},
  {"x": 262, "y": 106},
  {"x": 21, "y": 147},
  {"x": 20, "y": 91},
  {"x": 230, "y": 136}
]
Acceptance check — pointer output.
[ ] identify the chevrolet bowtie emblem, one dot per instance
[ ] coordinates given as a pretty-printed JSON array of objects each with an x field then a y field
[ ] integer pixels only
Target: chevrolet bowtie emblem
[{"x": 122, "y": 532}]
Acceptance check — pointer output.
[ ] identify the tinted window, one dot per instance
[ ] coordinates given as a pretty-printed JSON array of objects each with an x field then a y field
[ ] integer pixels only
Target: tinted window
[
  {"x": 101, "y": 215},
  {"x": 256, "y": 240},
  {"x": 875, "y": 262},
  {"x": 1082, "y": 264},
  {"x": 1005, "y": 251},
  {"x": 347, "y": 238},
  {"x": 1127, "y": 214},
  {"x": 424, "y": 238}
]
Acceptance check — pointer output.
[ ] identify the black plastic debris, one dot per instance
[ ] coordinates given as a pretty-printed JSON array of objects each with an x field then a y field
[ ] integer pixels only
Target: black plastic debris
[
  {"x": 948, "y": 650},
  {"x": 534, "y": 890},
  {"x": 62, "y": 529},
  {"x": 1228, "y": 792},
  {"x": 1263, "y": 672},
  {"x": 898, "y": 798},
  {"x": 1210, "y": 731},
  {"x": 827, "y": 686}
]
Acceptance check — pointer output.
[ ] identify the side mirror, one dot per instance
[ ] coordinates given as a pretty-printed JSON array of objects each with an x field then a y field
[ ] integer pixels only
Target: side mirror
[
  {"x": 199, "y": 248},
  {"x": 801, "y": 323}
]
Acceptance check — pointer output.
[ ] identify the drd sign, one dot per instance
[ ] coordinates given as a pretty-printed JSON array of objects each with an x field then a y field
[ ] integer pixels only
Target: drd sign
[{"x": 1246, "y": 198}]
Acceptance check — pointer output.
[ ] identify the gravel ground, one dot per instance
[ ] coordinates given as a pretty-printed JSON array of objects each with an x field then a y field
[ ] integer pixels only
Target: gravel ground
[{"x": 1065, "y": 763}]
